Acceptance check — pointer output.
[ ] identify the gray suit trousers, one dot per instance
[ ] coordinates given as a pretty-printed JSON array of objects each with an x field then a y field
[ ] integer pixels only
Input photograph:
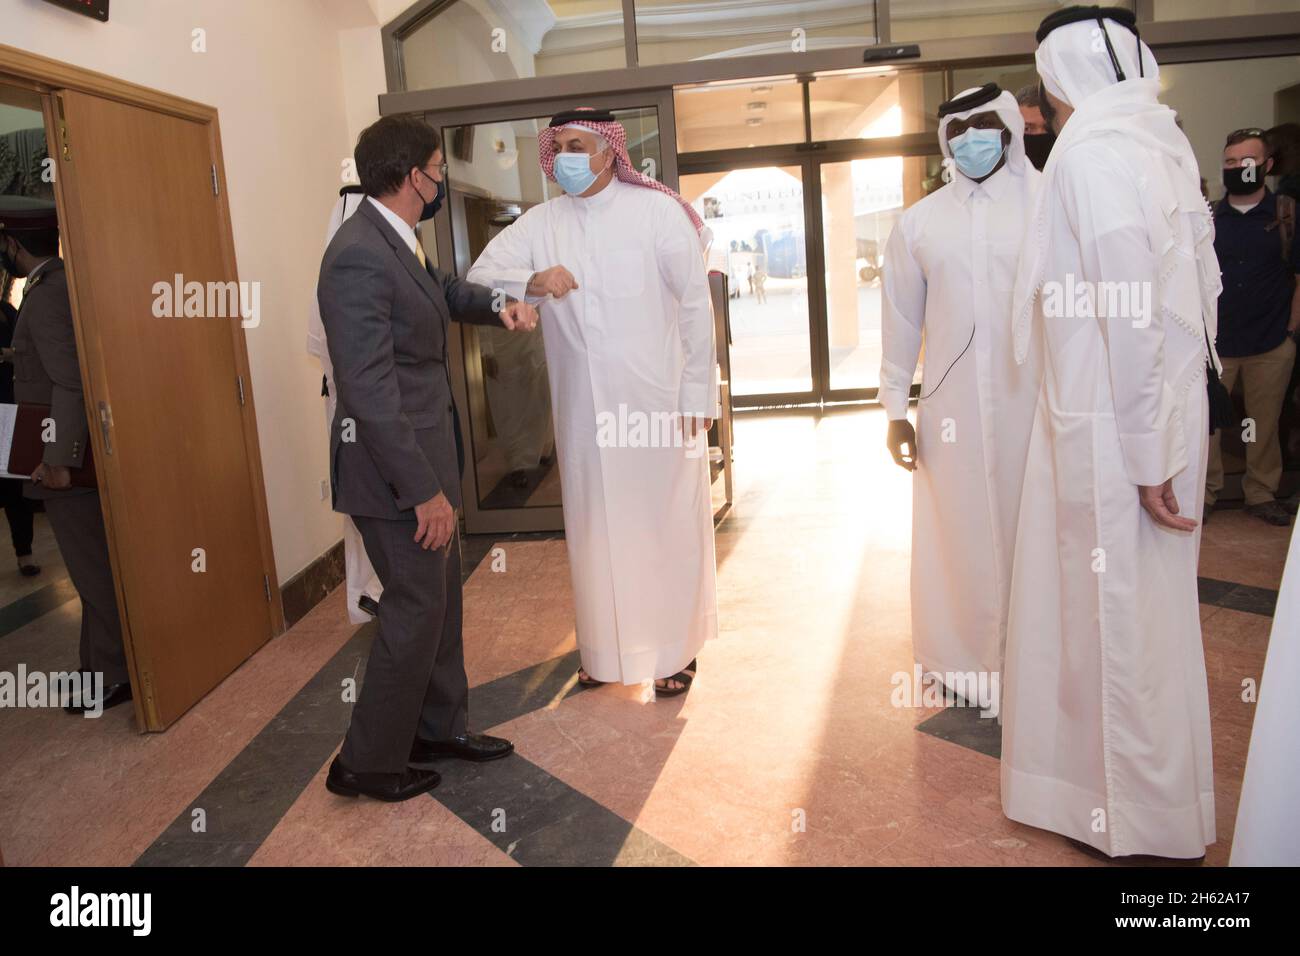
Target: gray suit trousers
[
  {"x": 415, "y": 679},
  {"x": 78, "y": 525}
]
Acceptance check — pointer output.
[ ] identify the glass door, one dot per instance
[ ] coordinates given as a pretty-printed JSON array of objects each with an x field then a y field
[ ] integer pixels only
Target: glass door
[
  {"x": 861, "y": 202},
  {"x": 756, "y": 215}
]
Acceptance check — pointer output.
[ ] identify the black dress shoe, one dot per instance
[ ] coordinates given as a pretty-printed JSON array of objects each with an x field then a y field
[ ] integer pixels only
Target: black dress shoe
[
  {"x": 114, "y": 694},
  {"x": 389, "y": 787},
  {"x": 476, "y": 747},
  {"x": 369, "y": 605}
]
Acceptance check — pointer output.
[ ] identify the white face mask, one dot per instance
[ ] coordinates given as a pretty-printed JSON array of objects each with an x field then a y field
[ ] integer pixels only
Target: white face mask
[{"x": 573, "y": 171}]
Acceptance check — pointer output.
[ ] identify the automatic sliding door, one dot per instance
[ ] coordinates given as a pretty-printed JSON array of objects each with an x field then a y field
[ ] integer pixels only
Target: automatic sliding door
[{"x": 756, "y": 216}]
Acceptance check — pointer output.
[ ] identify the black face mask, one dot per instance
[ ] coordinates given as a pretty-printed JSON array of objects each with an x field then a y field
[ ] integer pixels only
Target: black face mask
[
  {"x": 1235, "y": 180},
  {"x": 1037, "y": 148},
  {"x": 433, "y": 205}
]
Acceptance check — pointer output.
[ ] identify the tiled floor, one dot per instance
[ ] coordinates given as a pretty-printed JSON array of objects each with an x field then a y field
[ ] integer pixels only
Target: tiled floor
[{"x": 786, "y": 751}]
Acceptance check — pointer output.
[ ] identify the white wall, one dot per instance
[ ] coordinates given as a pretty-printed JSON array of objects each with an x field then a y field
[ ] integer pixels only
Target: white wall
[{"x": 295, "y": 81}]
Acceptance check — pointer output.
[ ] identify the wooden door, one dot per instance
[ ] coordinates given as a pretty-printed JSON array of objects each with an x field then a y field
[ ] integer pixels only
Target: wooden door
[{"x": 173, "y": 425}]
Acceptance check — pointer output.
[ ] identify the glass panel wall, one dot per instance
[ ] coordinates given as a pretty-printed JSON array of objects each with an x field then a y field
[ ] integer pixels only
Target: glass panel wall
[
  {"x": 673, "y": 31},
  {"x": 1012, "y": 78},
  {"x": 757, "y": 219},
  {"x": 869, "y": 105},
  {"x": 481, "y": 41},
  {"x": 1194, "y": 9},
  {"x": 912, "y": 20},
  {"x": 723, "y": 116}
]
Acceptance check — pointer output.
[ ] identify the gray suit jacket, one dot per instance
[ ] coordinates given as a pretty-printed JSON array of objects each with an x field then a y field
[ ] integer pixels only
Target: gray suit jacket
[
  {"x": 385, "y": 321},
  {"x": 47, "y": 372}
]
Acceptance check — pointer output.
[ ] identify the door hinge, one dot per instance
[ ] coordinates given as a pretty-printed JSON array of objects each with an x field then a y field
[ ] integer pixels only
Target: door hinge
[
  {"x": 216, "y": 189},
  {"x": 105, "y": 426},
  {"x": 239, "y": 380},
  {"x": 266, "y": 584},
  {"x": 64, "y": 146}
]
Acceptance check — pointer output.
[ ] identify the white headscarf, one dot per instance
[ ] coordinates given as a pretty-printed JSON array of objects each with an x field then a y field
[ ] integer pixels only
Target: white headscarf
[
  {"x": 348, "y": 204},
  {"x": 1008, "y": 111},
  {"x": 1075, "y": 67}
]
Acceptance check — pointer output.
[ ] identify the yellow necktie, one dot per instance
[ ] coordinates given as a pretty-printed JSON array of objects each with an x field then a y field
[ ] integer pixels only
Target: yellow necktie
[{"x": 419, "y": 254}]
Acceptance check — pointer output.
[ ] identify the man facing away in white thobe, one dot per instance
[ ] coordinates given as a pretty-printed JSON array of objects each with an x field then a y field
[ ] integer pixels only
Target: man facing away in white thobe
[
  {"x": 628, "y": 331},
  {"x": 949, "y": 276},
  {"x": 1106, "y": 725},
  {"x": 363, "y": 587}
]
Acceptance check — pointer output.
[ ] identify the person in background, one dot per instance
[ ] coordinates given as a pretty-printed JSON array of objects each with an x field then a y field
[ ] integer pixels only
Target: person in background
[
  {"x": 1259, "y": 312},
  {"x": 1038, "y": 135},
  {"x": 47, "y": 371},
  {"x": 1284, "y": 146},
  {"x": 18, "y": 510}
]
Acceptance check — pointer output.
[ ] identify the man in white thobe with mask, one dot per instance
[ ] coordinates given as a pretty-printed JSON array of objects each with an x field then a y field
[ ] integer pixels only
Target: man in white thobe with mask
[
  {"x": 950, "y": 269},
  {"x": 628, "y": 331},
  {"x": 1106, "y": 725}
]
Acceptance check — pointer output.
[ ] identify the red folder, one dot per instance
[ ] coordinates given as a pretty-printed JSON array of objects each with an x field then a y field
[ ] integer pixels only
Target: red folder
[{"x": 28, "y": 449}]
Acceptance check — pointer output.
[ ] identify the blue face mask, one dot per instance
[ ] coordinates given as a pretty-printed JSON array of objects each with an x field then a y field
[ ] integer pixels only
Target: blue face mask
[
  {"x": 573, "y": 172},
  {"x": 977, "y": 151}
]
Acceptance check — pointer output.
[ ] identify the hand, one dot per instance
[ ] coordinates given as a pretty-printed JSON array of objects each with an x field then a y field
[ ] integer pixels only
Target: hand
[
  {"x": 556, "y": 282},
  {"x": 52, "y": 476},
  {"x": 900, "y": 434},
  {"x": 519, "y": 317},
  {"x": 1162, "y": 506},
  {"x": 437, "y": 522},
  {"x": 692, "y": 425}
]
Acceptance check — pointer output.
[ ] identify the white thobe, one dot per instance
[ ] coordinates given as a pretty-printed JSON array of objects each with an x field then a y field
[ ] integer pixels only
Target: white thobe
[
  {"x": 635, "y": 340},
  {"x": 1268, "y": 827},
  {"x": 950, "y": 270},
  {"x": 1106, "y": 725}
]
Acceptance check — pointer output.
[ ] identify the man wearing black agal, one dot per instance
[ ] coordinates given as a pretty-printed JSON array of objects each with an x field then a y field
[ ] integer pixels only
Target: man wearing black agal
[
  {"x": 395, "y": 466},
  {"x": 1259, "y": 312}
]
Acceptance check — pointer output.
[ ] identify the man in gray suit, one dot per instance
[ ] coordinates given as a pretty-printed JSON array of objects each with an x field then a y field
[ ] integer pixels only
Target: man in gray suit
[
  {"x": 395, "y": 469},
  {"x": 47, "y": 372}
]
